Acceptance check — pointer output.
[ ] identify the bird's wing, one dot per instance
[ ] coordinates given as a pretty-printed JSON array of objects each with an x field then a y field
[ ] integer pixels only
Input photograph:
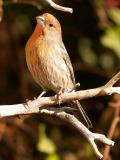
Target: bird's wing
[
  {"x": 67, "y": 61},
  {"x": 69, "y": 65}
]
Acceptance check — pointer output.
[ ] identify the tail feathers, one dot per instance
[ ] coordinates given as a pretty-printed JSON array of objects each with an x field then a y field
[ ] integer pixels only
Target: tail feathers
[{"x": 86, "y": 118}]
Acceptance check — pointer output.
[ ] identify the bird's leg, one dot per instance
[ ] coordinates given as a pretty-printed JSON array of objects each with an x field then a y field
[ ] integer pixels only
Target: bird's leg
[
  {"x": 26, "y": 104},
  {"x": 58, "y": 96},
  {"x": 41, "y": 94},
  {"x": 61, "y": 91}
]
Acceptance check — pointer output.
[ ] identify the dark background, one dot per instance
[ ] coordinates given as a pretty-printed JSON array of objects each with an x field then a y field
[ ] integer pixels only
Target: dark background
[{"x": 92, "y": 37}]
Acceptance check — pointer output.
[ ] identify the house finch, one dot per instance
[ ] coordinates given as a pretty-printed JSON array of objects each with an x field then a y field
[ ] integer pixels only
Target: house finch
[{"x": 48, "y": 60}]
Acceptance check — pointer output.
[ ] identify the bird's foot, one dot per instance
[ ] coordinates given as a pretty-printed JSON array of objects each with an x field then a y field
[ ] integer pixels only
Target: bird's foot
[{"x": 77, "y": 85}]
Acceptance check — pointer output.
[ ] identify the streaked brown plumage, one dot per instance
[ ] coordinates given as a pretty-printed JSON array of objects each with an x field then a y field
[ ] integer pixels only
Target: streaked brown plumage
[{"x": 48, "y": 60}]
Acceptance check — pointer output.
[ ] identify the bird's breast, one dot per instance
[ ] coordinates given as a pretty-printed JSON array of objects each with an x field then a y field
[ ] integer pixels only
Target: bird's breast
[{"x": 47, "y": 66}]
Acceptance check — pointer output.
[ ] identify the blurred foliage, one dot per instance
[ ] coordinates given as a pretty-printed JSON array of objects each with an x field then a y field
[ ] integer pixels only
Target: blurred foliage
[
  {"x": 114, "y": 14},
  {"x": 52, "y": 157},
  {"x": 111, "y": 39},
  {"x": 92, "y": 37},
  {"x": 86, "y": 52},
  {"x": 45, "y": 144}
]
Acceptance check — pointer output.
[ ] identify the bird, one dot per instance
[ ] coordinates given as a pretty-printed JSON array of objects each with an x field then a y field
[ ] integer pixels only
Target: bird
[{"x": 48, "y": 60}]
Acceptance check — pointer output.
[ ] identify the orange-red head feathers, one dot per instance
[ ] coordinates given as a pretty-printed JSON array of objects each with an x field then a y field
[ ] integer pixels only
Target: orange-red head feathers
[
  {"x": 48, "y": 27},
  {"x": 48, "y": 23}
]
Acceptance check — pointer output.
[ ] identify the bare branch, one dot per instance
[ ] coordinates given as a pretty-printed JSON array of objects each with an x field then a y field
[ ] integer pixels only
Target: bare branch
[
  {"x": 58, "y": 7},
  {"x": 113, "y": 80},
  {"x": 107, "y": 89},
  {"x": 36, "y": 106}
]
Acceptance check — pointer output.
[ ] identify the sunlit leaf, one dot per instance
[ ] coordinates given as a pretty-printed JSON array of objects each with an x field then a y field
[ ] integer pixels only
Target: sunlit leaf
[
  {"x": 52, "y": 157},
  {"x": 45, "y": 144},
  {"x": 88, "y": 150},
  {"x": 115, "y": 15},
  {"x": 111, "y": 39}
]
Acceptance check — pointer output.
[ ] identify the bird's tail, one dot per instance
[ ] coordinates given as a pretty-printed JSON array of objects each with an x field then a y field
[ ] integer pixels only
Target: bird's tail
[{"x": 86, "y": 118}]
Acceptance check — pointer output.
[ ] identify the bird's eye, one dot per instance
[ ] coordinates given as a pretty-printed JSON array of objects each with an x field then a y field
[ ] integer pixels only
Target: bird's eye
[{"x": 50, "y": 25}]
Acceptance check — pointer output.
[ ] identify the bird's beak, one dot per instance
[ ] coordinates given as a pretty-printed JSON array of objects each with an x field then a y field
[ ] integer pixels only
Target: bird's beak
[{"x": 40, "y": 20}]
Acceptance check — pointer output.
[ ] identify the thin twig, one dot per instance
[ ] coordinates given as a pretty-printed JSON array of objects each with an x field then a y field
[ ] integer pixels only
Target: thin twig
[
  {"x": 110, "y": 136},
  {"x": 114, "y": 124},
  {"x": 37, "y": 4},
  {"x": 58, "y": 7},
  {"x": 113, "y": 80}
]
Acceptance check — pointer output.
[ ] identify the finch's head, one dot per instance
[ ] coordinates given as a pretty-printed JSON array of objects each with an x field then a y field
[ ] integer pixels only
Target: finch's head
[{"x": 49, "y": 24}]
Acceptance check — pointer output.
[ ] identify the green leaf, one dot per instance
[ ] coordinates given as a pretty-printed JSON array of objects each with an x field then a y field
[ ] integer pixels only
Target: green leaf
[
  {"x": 52, "y": 157},
  {"x": 111, "y": 39},
  {"x": 45, "y": 144},
  {"x": 88, "y": 151},
  {"x": 114, "y": 14},
  {"x": 86, "y": 52}
]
